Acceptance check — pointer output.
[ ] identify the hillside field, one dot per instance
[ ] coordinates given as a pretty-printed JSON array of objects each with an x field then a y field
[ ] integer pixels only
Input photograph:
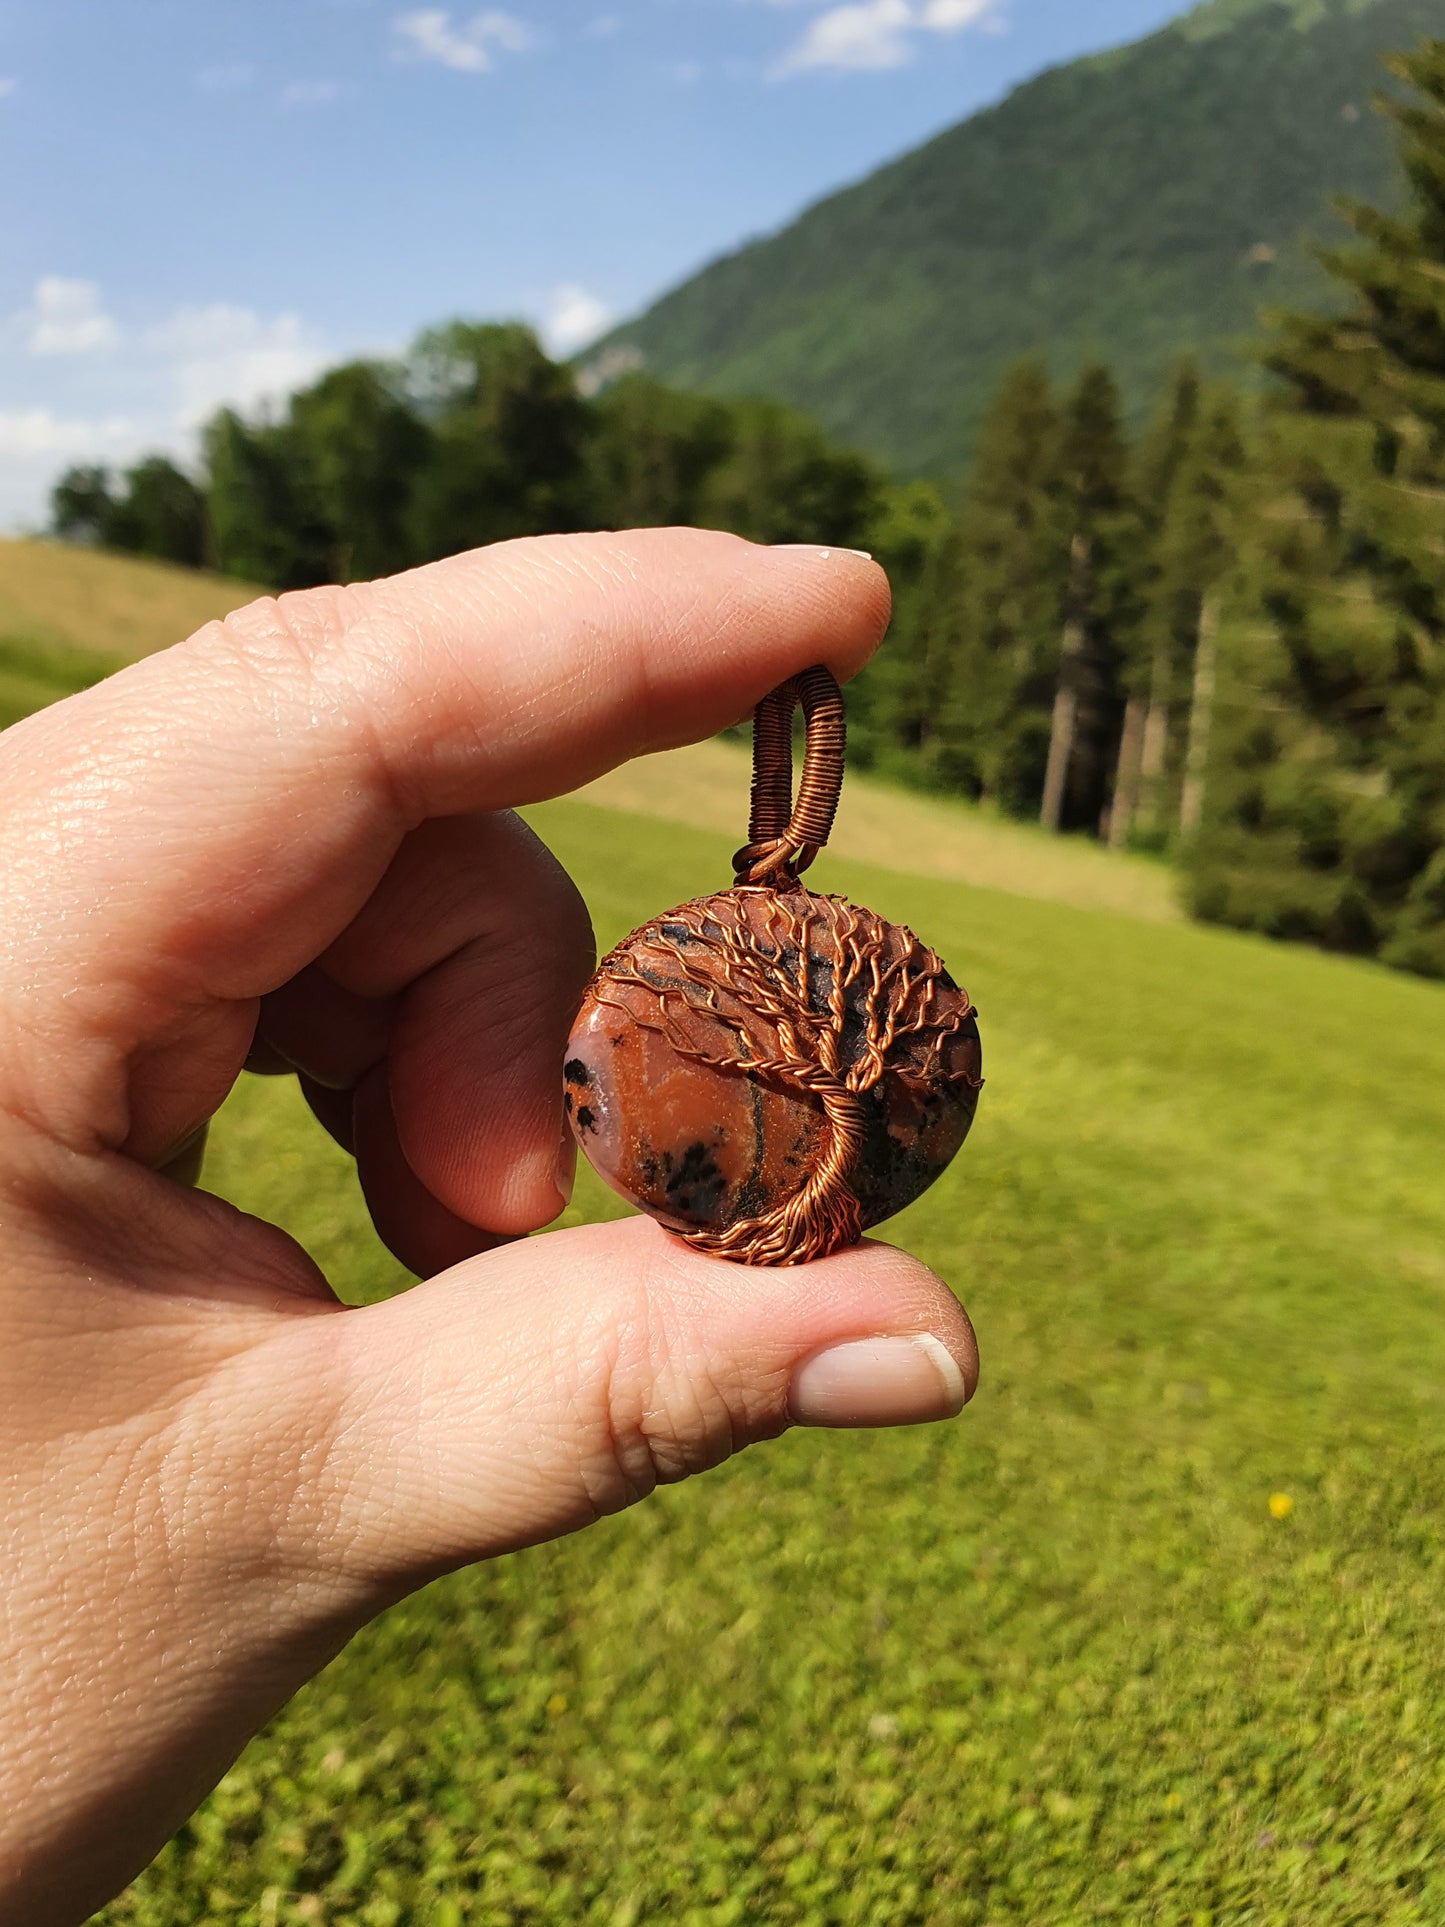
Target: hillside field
[
  {"x": 1055, "y": 1664},
  {"x": 69, "y": 616}
]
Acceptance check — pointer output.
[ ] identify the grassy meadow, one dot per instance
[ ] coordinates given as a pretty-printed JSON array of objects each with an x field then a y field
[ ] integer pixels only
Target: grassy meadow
[
  {"x": 111, "y": 605},
  {"x": 1057, "y": 1664},
  {"x": 69, "y": 616}
]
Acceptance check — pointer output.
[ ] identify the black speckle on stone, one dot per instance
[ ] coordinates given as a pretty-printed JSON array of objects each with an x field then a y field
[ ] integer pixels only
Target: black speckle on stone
[
  {"x": 677, "y": 933},
  {"x": 567, "y": 1102},
  {"x": 695, "y": 1185},
  {"x": 751, "y": 1198},
  {"x": 820, "y": 981},
  {"x": 585, "y": 1120},
  {"x": 575, "y": 1071}
]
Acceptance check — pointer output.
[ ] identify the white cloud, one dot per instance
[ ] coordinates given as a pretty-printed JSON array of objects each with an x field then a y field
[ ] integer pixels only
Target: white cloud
[
  {"x": 8, "y": 84},
  {"x": 951, "y": 16},
  {"x": 869, "y": 36},
  {"x": 862, "y": 37},
  {"x": 228, "y": 355},
  {"x": 310, "y": 93},
  {"x": 572, "y": 318},
  {"x": 468, "y": 49},
  {"x": 37, "y": 432},
  {"x": 67, "y": 319},
  {"x": 151, "y": 391},
  {"x": 602, "y": 27}
]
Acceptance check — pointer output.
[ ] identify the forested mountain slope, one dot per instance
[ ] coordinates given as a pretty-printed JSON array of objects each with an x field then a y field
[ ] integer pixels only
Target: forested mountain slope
[{"x": 1133, "y": 205}]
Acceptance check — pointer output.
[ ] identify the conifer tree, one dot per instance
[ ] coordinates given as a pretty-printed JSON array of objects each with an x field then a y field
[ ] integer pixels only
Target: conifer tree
[
  {"x": 909, "y": 534},
  {"x": 1330, "y": 817},
  {"x": 923, "y": 660},
  {"x": 1193, "y": 559},
  {"x": 997, "y": 645},
  {"x": 1149, "y": 668},
  {"x": 1098, "y": 606}
]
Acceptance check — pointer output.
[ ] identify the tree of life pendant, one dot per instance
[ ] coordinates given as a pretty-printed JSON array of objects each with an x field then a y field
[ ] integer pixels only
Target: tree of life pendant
[{"x": 767, "y": 1071}]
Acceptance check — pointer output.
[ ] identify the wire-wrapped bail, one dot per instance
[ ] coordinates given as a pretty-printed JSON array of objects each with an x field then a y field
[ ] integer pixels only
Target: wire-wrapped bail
[{"x": 784, "y": 836}]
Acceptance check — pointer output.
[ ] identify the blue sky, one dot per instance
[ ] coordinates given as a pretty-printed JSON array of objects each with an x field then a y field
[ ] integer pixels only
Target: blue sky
[{"x": 211, "y": 199}]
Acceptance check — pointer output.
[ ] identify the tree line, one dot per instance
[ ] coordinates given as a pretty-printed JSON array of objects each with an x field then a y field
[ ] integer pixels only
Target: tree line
[
  {"x": 1221, "y": 637},
  {"x": 473, "y": 437}
]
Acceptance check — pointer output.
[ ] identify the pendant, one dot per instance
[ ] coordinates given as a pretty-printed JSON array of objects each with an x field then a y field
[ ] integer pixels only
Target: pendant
[{"x": 767, "y": 1071}]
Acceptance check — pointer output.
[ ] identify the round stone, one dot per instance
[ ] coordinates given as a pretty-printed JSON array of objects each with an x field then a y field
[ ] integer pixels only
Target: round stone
[{"x": 758, "y": 1047}]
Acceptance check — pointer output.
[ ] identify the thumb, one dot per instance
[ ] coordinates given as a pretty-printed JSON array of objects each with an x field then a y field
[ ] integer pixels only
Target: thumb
[{"x": 535, "y": 1390}]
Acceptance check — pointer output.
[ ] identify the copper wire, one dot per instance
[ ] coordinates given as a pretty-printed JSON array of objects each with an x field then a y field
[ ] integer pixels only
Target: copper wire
[{"x": 784, "y": 836}]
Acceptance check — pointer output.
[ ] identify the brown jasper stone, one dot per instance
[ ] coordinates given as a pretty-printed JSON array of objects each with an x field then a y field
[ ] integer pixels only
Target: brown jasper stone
[{"x": 770, "y": 1073}]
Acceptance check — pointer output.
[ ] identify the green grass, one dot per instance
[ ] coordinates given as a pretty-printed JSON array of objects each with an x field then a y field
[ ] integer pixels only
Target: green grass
[
  {"x": 37, "y": 670},
  {"x": 1055, "y": 1664},
  {"x": 118, "y": 606},
  {"x": 946, "y": 837}
]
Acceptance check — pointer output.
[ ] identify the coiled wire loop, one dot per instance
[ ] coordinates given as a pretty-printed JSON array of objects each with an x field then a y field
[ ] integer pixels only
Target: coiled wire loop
[{"x": 784, "y": 836}]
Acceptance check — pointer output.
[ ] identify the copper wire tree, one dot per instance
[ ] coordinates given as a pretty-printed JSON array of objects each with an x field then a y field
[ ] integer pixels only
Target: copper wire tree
[{"x": 806, "y": 994}]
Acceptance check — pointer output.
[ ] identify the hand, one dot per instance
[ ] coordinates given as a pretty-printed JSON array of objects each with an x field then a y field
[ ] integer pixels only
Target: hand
[{"x": 289, "y": 838}]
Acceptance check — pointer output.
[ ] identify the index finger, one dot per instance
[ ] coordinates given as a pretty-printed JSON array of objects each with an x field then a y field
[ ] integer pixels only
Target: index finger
[{"x": 201, "y": 826}]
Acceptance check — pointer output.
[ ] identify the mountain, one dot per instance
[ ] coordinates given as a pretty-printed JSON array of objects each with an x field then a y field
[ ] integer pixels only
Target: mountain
[{"x": 1134, "y": 204}]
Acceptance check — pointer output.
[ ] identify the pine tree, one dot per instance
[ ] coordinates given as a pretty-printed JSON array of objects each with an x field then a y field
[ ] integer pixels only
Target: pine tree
[
  {"x": 1330, "y": 816},
  {"x": 1098, "y": 606},
  {"x": 1193, "y": 566},
  {"x": 992, "y": 708},
  {"x": 911, "y": 534},
  {"x": 1148, "y": 669},
  {"x": 959, "y": 697}
]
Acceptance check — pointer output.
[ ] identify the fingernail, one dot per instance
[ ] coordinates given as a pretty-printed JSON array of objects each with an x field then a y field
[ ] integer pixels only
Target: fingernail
[
  {"x": 566, "y": 1164},
  {"x": 823, "y": 554},
  {"x": 878, "y": 1381}
]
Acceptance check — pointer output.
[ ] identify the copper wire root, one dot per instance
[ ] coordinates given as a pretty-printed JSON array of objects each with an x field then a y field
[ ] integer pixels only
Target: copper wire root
[
  {"x": 821, "y": 1218},
  {"x": 783, "y": 836}
]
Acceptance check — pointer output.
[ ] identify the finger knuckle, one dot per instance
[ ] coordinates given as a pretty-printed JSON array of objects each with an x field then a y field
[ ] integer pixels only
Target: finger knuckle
[{"x": 659, "y": 1412}]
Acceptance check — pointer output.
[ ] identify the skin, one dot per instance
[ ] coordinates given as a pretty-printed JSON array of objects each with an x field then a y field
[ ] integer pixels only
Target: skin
[{"x": 287, "y": 841}]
